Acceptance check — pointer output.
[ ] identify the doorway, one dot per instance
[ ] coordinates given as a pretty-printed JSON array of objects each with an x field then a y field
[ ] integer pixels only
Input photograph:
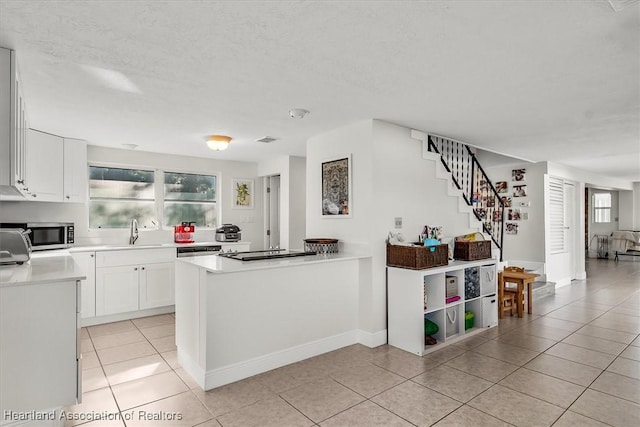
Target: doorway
[{"x": 272, "y": 211}]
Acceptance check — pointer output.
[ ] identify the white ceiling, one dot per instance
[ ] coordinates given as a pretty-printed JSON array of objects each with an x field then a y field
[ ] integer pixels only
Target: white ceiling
[{"x": 541, "y": 80}]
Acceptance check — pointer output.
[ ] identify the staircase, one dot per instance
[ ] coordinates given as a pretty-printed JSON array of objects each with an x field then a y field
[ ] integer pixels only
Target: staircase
[{"x": 467, "y": 175}]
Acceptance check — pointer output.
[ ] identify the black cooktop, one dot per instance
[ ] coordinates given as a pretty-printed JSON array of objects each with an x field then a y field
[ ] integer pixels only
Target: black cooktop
[{"x": 264, "y": 254}]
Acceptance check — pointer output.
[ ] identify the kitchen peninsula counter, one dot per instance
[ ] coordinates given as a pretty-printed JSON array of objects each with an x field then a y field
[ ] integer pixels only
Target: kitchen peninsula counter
[
  {"x": 235, "y": 319},
  {"x": 221, "y": 265},
  {"x": 45, "y": 268}
]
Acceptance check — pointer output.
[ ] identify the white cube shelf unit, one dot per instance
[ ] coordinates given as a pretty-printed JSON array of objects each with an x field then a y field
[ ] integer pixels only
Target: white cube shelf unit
[{"x": 406, "y": 303}]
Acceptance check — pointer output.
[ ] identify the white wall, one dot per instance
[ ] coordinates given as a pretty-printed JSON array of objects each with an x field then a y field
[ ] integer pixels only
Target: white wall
[
  {"x": 636, "y": 206},
  {"x": 589, "y": 178},
  {"x": 249, "y": 220},
  {"x": 627, "y": 210},
  {"x": 297, "y": 201},
  {"x": 390, "y": 179},
  {"x": 292, "y": 172},
  {"x": 629, "y": 202},
  {"x": 528, "y": 245}
]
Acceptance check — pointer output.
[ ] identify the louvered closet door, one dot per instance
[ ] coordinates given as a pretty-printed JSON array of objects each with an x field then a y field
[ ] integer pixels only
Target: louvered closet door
[{"x": 557, "y": 235}]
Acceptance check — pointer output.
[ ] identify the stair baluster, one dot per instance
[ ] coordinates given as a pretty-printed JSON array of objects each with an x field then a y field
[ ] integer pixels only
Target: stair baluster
[{"x": 477, "y": 189}]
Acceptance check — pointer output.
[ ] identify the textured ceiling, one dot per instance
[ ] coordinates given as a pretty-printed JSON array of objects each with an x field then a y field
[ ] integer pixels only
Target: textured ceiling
[{"x": 540, "y": 80}]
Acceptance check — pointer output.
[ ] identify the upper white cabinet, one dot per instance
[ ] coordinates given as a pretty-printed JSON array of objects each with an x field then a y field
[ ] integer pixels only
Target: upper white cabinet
[
  {"x": 13, "y": 129},
  {"x": 45, "y": 166},
  {"x": 57, "y": 168},
  {"x": 75, "y": 170}
]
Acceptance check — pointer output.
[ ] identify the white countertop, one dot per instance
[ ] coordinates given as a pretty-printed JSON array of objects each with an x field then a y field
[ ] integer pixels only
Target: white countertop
[
  {"x": 93, "y": 248},
  {"x": 217, "y": 264},
  {"x": 42, "y": 268}
]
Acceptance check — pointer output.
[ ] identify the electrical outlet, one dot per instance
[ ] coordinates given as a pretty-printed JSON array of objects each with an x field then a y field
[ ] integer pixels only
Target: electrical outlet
[
  {"x": 524, "y": 204},
  {"x": 398, "y": 221}
]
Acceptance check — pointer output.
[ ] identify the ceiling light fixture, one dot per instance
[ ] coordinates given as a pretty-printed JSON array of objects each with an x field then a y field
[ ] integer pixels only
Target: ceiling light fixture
[
  {"x": 218, "y": 142},
  {"x": 298, "y": 113}
]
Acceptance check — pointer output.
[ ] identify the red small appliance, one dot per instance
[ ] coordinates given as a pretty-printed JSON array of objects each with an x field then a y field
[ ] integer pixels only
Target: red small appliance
[{"x": 183, "y": 233}]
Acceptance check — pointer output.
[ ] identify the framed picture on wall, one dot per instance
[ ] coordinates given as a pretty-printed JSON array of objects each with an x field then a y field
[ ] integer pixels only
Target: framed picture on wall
[
  {"x": 502, "y": 187},
  {"x": 242, "y": 190},
  {"x": 336, "y": 187},
  {"x": 519, "y": 191},
  {"x": 518, "y": 174},
  {"x": 511, "y": 228}
]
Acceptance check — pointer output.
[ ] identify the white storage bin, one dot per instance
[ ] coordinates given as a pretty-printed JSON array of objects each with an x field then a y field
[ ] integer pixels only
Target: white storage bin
[
  {"x": 488, "y": 280},
  {"x": 489, "y": 311}
]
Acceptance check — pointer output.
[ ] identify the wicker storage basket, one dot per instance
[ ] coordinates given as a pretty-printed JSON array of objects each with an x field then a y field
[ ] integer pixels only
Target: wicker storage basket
[
  {"x": 471, "y": 251},
  {"x": 321, "y": 246},
  {"x": 417, "y": 257}
]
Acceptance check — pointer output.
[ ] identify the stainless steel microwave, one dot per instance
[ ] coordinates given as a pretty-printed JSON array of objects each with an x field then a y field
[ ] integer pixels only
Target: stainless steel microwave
[{"x": 46, "y": 235}]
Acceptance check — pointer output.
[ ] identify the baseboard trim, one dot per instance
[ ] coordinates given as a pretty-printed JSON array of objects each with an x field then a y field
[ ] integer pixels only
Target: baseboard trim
[
  {"x": 189, "y": 365},
  {"x": 565, "y": 281},
  {"x": 237, "y": 371},
  {"x": 98, "y": 320},
  {"x": 581, "y": 275},
  {"x": 372, "y": 339}
]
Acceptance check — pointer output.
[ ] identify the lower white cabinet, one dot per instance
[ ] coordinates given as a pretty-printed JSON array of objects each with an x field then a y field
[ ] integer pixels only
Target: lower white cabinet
[
  {"x": 134, "y": 279},
  {"x": 442, "y": 295},
  {"x": 87, "y": 263},
  {"x": 127, "y": 288},
  {"x": 156, "y": 285},
  {"x": 116, "y": 289},
  {"x": 39, "y": 342}
]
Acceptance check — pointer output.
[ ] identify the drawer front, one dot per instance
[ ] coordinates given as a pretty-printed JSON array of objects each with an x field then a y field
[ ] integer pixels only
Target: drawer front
[{"x": 134, "y": 257}]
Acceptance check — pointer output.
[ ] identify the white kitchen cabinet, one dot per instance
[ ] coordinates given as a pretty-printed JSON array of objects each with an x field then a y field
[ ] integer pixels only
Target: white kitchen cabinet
[
  {"x": 116, "y": 289},
  {"x": 45, "y": 164},
  {"x": 13, "y": 130},
  {"x": 416, "y": 295},
  {"x": 156, "y": 283},
  {"x": 134, "y": 279},
  {"x": 40, "y": 341},
  {"x": 75, "y": 171},
  {"x": 87, "y": 263}
]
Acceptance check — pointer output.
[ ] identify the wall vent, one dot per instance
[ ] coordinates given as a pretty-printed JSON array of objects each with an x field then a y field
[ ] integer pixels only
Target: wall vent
[{"x": 266, "y": 139}]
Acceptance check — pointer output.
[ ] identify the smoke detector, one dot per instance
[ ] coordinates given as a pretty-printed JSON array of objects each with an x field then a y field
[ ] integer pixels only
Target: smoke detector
[{"x": 298, "y": 113}]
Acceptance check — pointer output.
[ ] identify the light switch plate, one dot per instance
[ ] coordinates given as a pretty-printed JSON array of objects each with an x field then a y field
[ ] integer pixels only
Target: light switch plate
[{"x": 398, "y": 221}]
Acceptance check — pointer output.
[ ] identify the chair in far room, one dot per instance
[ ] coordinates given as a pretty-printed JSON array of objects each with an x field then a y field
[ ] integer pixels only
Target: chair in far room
[{"x": 506, "y": 298}]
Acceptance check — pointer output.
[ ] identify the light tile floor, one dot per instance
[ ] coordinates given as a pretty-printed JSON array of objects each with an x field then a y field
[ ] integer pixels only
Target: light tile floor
[{"x": 574, "y": 362}]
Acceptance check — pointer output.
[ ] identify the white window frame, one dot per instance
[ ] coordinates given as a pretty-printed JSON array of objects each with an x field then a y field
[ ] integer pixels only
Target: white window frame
[
  {"x": 597, "y": 209},
  {"x": 158, "y": 177},
  {"x": 160, "y": 190}
]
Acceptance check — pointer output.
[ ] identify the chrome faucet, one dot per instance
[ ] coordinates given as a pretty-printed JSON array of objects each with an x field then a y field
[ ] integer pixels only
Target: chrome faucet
[{"x": 133, "y": 236}]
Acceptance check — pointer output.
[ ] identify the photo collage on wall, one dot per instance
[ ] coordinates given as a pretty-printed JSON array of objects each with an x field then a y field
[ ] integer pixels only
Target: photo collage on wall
[{"x": 513, "y": 213}]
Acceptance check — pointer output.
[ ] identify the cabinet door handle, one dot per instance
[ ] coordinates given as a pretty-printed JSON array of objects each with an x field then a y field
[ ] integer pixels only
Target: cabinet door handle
[
  {"x": 34, "y": 195},
  {"x": 135, "y": 269},
  {"x": 143, "y": 268},
  {"x": 68, "y": 197},
  {"x": 91, "y": 255}
]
